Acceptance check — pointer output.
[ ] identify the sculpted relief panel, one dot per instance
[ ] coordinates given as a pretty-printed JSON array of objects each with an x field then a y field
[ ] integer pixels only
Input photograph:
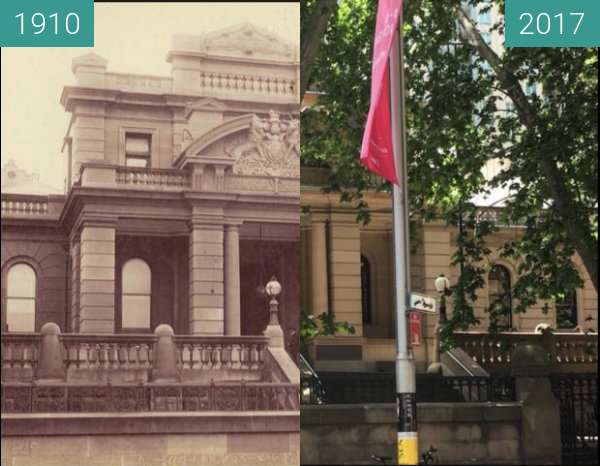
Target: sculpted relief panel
[{"x": 271, "y": 148}]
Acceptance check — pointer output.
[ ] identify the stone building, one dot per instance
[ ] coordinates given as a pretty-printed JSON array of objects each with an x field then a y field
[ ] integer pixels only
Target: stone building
[
  {"x": 348, "y": 270},
  {"x": 182, "y": 204}
]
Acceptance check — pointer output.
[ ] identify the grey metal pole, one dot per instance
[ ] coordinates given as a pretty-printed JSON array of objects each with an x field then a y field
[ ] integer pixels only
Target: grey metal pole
[{"x": 408, "y": 446}]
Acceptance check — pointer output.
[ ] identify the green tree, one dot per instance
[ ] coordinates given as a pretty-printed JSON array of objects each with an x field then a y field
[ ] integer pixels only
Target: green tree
[{"x": 457, "y": 122}]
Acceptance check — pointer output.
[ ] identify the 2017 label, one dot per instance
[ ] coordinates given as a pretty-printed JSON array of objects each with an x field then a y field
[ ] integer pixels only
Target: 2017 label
[{"x": 552, "y": 23}]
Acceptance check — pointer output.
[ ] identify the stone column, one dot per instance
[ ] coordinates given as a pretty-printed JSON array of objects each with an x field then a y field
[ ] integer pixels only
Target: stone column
[
  {"x": 97, "y": 279},
  {"x": 206, "y": 280},
  {"x": 318, "y": 275},
  {"x": 75, "y": 283},
  {"x": 344, "y": 257},
  {"x": 437, "y": 250},
  {"x": 233, "y": 318}
]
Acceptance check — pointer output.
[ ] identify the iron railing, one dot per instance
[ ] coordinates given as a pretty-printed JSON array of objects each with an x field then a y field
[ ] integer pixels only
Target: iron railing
[
  {"x": 348, "y": 388},
  {"x": 70, "y": 398},
  {"x": 578, "y": 397}
]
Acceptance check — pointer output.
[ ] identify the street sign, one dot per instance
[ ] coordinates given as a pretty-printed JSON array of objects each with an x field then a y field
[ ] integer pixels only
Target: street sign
[
  {"x": 415, "y": 329},
  {"x": 423, "y": 303}
]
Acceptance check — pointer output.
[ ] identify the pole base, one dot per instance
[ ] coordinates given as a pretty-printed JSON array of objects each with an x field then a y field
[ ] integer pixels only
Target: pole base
[{"x": 408, "y": 448}]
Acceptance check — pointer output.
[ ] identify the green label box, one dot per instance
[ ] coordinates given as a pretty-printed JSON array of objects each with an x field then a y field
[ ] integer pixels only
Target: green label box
[
  {"x": 552, "y": 23},
  {"x": 46, "y": 23}
]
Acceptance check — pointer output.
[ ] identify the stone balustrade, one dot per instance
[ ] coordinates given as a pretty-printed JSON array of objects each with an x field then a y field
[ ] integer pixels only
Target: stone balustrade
[
  {"x": 251, "y": 84},
  {"x": 30, "y": 206},
  {"x": 156, "y": 178},
  {"x": 20, "y": 351},
  {"x": 133, "y": 358},
  {"x": 566, "y": 352},
  {"x": 91, "y": 352},
  {"x": 213, "y": 353}
]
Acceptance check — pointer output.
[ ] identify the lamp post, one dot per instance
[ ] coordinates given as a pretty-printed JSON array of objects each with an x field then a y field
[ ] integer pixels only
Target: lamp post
[
  {"x": 274, "y": 330},
  {"x": 442, "y": 285}
]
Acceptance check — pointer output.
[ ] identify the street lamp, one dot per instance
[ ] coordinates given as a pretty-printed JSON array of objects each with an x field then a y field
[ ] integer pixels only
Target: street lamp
[
  {"x": 273, "y": 288},
  {"x": 442, "y": 286},
  {"x": 274, "y": 330}
]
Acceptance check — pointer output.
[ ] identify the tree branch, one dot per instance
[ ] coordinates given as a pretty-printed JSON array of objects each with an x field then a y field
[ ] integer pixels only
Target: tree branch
[
  {"x": 564, "y": 200},
  {"x": 313, "y": 31}
]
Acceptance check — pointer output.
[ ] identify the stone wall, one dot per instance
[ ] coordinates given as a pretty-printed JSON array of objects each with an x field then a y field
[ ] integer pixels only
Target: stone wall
[
  {"x": 156, "y": 439},
  {"x": 465, "y": 433}
]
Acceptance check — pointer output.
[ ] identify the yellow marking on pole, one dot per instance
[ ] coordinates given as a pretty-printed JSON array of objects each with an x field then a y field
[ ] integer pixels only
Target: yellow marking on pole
[{"x": 408, "y": 449}]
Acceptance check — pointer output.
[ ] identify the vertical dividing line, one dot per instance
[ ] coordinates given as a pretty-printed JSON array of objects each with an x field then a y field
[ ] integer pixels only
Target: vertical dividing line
[{"x": 407, "y": 439}]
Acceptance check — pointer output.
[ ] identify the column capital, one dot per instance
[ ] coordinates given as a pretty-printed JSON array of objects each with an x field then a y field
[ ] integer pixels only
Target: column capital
[
  {"x": 319, "y": 218},
  {"x": 202, "y": 224},
  {"x": 233, "y": 226}
]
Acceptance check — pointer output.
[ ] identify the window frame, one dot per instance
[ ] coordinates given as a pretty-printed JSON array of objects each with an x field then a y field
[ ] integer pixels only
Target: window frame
[
  {"x": 139, "y": 155},
  {"x": 366, "y": 274},
  {"x": 574, "y": 310},
  {"x": 37, "y": 274},
  {"x": 154, "y": 143},
  {"x": 121, "y": 295}
]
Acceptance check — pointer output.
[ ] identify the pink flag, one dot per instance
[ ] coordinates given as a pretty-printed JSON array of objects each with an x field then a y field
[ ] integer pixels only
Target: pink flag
[{"x": 377, "y": 152}]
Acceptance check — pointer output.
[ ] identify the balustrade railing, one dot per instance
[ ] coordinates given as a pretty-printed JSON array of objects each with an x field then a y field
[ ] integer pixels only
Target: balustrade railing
[
  {"x": 264, "y": 85},
  {"x": 565, "y": 351},
  {"x": 244, "y": 353},
  {"x": 25, "y": 206},
  {"x": 20, "y": 352},
  {"x": 230, "y": 397},
  {"x": 165, "y": 178},
  {"x": 129, "y": 352},
  {"x": 123, "y": 352}
]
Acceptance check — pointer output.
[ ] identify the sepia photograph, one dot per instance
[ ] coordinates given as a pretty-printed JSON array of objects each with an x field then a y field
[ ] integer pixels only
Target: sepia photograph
[{"x": 151, "y": 240}]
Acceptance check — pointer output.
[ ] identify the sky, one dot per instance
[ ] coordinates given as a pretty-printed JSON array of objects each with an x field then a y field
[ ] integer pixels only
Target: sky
[{"x": 134, "y": 38}]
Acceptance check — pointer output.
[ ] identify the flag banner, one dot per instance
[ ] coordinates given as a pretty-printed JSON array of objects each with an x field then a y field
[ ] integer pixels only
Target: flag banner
[{"x": 377, "y": 152}]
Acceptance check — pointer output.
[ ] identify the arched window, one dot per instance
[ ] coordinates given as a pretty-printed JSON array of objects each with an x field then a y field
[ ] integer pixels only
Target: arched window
[
  {"x": 21, "y": 287},
  {"x": 136, "y": 295},
  {"x": 566, "y": 311},
  {"x": 499, "y": 287},
  {"x": 365, "y": 283}
]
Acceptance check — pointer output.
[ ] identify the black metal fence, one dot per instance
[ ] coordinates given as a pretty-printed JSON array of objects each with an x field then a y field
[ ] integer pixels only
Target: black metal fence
[
  {"x": 578, "y": 397},
  {"x": 347, "y": 388}
]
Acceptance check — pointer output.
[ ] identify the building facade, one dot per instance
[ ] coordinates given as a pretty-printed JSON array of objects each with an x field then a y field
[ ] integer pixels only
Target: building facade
[
  {"x": 181, "y": 206},
  {"x": 349, "y": 271}
]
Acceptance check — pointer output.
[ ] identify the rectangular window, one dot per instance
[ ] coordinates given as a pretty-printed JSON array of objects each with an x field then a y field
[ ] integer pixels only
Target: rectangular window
[
  {"x": 136, "y": 312},
  {"x": 20, "y": 314},
  {"x": 138, "y": 150}
]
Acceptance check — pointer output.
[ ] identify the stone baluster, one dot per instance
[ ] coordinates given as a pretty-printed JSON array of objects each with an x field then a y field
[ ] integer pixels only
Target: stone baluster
[
  {"x": 164, "y": 364},
  {"x": 51, "y": 367}
]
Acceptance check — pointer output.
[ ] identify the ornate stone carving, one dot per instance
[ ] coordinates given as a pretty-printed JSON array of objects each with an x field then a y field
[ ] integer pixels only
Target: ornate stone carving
[
  {"x": 272, "y": 149},
  {"x": 246, "y": 40}
]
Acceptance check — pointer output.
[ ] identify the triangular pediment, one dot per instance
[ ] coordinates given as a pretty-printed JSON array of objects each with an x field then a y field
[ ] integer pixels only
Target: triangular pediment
[
  {"x": 206, "y": 105},
  {"x": 248, "y": 41}
]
